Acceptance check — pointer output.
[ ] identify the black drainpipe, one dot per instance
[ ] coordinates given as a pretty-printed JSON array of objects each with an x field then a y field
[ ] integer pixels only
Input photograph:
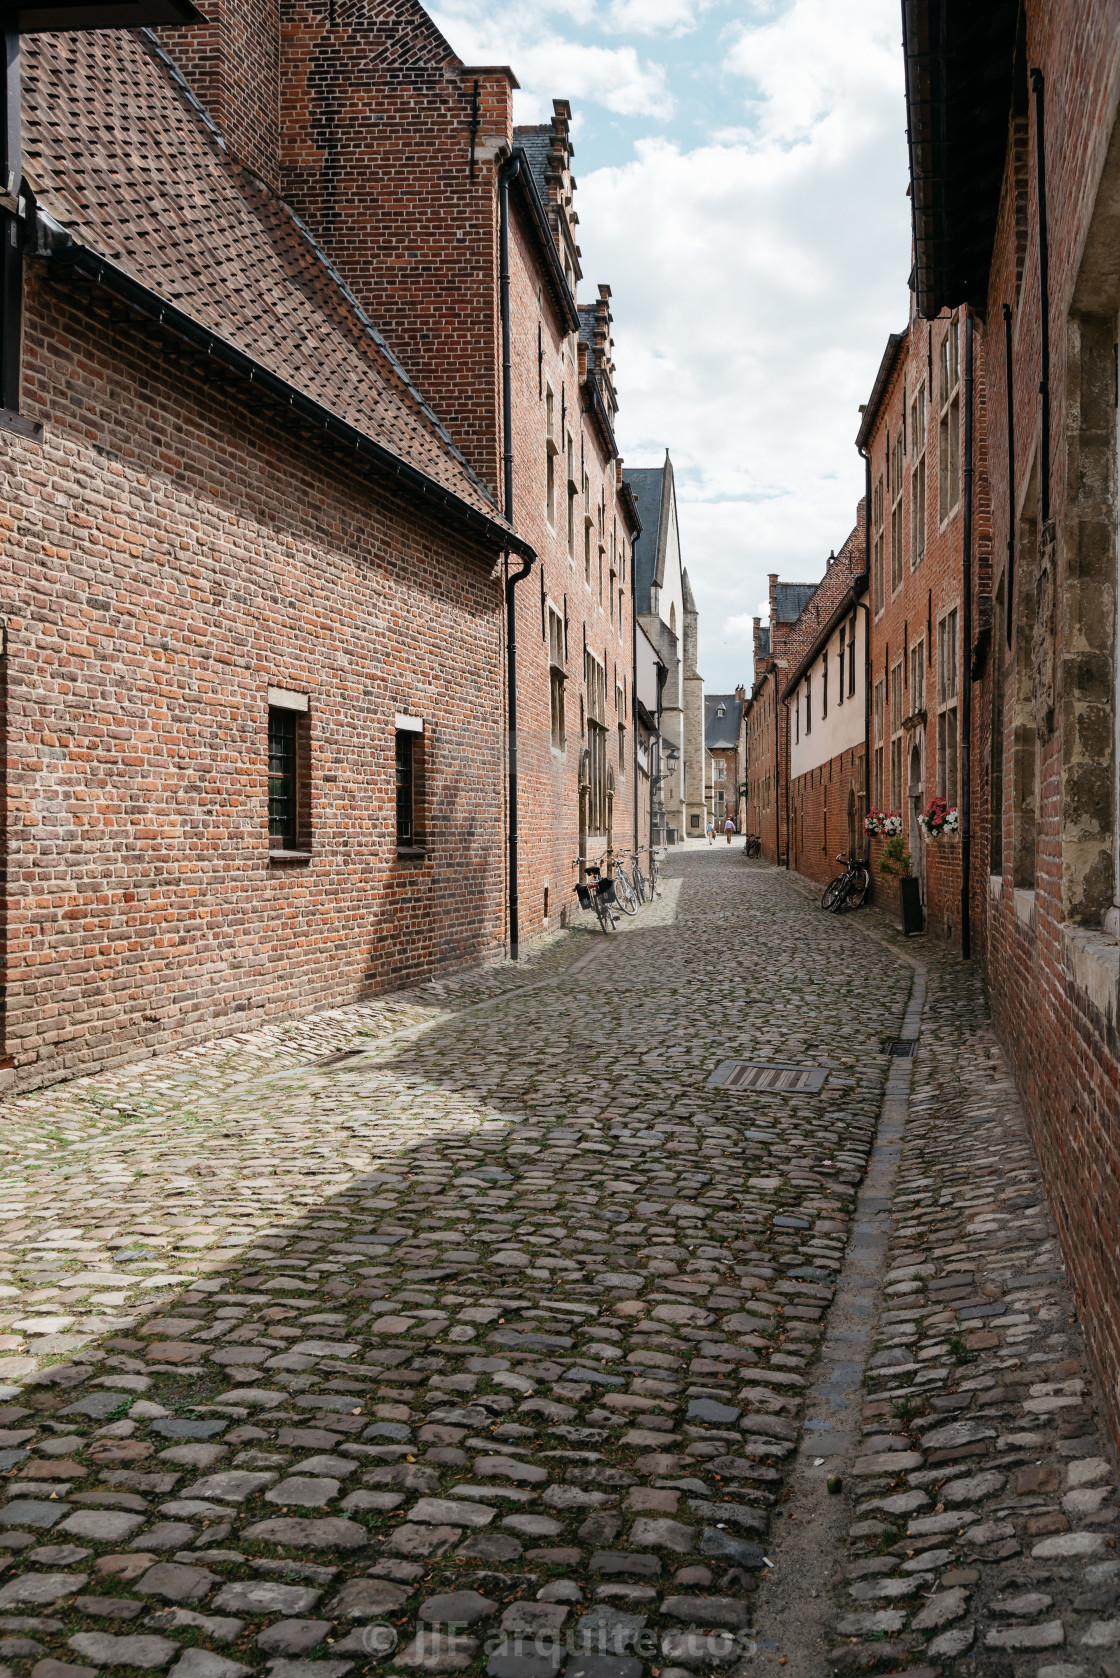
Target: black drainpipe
[
  {"x": 966, "y": 642},
  {"x": 787, "y": 785},
  {"x": 1010, "y": 472},
  {"x": 777, "y": 769},
  {"x": 866, "y": 648},
  {"x": 1038, "y": 87},
  {"x": 507, "y": 174}
]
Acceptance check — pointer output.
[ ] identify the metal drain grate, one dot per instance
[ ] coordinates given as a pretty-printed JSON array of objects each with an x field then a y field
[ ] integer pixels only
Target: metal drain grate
[
  {"x": 903, "y": 1048},
  {"x": 764, "y": 1075},
  {"x": 338, "y": 1057}
]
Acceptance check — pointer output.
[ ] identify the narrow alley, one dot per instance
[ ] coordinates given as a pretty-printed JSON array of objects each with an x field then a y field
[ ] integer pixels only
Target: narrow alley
[{"x": 502, "y": 1327}]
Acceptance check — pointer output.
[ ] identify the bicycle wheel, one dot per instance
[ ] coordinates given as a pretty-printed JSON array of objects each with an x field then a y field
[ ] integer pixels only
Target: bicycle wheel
[
  {"x": 856, "y": 893},
  {"x": 603, "y": 911},
  {"x": 828, "y": 895},
  {"x": 640, "y": 885},
  {"x": 842, "y": 891},
  {"x": 624, "y": 892},
  {"x": 754, "y": 847}
]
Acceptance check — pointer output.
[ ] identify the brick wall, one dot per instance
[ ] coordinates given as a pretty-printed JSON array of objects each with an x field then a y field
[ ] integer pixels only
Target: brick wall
[
  {"x": 173, "y": 549},
  {"x": 1042, "y": 906}
]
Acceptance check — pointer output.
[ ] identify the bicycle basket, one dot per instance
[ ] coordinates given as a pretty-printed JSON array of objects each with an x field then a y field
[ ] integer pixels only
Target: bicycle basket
[{"x": 584, "y": 895}]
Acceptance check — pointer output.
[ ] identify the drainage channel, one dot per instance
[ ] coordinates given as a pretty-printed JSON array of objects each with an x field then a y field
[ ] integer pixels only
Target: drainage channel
[{"x": 795, "y": 1602}]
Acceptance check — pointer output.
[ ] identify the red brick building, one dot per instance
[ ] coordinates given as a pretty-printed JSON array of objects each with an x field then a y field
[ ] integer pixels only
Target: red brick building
[
  {"x": 1025, "y": 238},
  {"x": 725, "y": 724},
  {"x": 824, "y": 694},
  {"x": 929, "y": 478},
  {"x": 767, "y": 723},
  {"x": 405, "y": 165},
  {"x": 252, "y": 624}
]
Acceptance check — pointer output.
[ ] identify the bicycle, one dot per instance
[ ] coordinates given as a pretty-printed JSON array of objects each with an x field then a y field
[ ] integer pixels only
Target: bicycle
[
  {"x": 849, "y": 889},
  {"x": 640, "y": 883},
  {"x": 753, "y": 846},
  {"x": 597, "y": 894},
  {"x": 626, "y": 896}
]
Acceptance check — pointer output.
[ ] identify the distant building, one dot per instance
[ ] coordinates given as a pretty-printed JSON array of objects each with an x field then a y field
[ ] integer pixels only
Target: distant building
[
  {"x": 725, "y": 742},
  {"x": 666, "y": 610}
]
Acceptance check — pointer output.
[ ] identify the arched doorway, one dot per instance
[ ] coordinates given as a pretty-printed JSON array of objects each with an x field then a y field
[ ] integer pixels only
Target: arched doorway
[{"x": 914, "y": 791}]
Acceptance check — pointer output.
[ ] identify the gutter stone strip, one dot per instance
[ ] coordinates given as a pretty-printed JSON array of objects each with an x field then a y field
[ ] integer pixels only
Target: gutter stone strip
[{"x": 794, "y": 1610}]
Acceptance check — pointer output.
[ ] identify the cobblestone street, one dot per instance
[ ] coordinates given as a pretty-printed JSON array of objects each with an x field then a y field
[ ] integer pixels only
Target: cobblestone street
[{"x": 476, "y": 1330}]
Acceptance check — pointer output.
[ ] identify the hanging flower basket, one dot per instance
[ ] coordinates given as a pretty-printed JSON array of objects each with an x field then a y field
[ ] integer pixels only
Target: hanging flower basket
[
  {"x": 938, "y": 818},
  {"x": 880, "y": 824}
]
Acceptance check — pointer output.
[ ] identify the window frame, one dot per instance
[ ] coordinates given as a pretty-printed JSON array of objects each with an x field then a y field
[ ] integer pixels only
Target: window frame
[
  {"x": 948, "y": 705},
  {"x": 919, "y": 489},
  {"x": 557, "y": 678},
  {"x": 949, "y": 423}
]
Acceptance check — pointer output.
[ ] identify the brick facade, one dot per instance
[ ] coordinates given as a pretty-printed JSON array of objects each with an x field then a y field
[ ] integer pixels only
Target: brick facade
[
  {"x": 1045, "y": 826},
  {"x": 187, "y": 553},
  {"x": 375, "y": 155}
]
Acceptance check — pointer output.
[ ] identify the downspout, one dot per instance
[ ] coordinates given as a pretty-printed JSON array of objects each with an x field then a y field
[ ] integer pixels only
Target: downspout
[
  {"x": 966, "y": 641},
  {"x": 787, "y": 786},
  {"x": 777, "y": 773},
  {"x": 1038, "y": 88},
  {"x": 866, "y": 650},
  {"x": 507, "y": 174},
  {"x": 634, "y": 696},
  {"x": 1010, "y": 468}
]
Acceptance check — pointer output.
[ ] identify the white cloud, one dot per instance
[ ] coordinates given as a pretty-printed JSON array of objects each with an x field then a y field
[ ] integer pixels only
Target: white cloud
[
  {"x": 755, "y": 279},
  {"x": 756, "y": 267},
  {"x": 548, "y": 64}
]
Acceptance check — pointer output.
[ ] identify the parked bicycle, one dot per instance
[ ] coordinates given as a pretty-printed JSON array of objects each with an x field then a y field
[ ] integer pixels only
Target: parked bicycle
[
  {"x": 849, "y": 889},
  {"x": 597, "y": 894},
  {"x": 753, "y": 846},
  {"x": 629, "y": 898},
  {"x": 647, "y": 883}
]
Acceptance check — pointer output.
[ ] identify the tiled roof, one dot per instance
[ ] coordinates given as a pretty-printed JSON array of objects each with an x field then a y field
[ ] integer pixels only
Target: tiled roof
[
  {"x": 646, "y": 486},
  {"x": 536, "y": 143},
  {"x": 117, "y": 155},
  {"x": 792, "y": 599},
  {"x": 721, "y": 731}
]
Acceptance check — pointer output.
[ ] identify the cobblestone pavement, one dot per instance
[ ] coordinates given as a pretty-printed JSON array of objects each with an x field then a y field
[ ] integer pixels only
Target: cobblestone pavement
[{"x": 473, "y": 1330}]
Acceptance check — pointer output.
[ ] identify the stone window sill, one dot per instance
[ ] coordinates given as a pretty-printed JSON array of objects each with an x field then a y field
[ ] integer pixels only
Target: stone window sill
[
  {"x": 290, "y": 856},
  {"x": 412, "y": 853},
  {"x": 1092, "y": 960},
  {"x": 1025, "y": 907},
  {"x": 995, "y": 887}
]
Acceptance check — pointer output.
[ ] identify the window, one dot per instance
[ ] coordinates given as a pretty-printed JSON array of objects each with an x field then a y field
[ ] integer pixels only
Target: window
[
  {"x": 898, "y": 788},
  {"x": 995, "y": 802},
  {"x": 808, "y": 705},
  {"x": 898, "y": 479},
  {"x": 949, "y": 426},
  {"x": 550, "y": 458},
  {"x": 918, "y": 677},
  {"x": 406, "y": 788},
  {"x": 613, "y": 574},
  {"x": 556, "y": 676},
  {"x": 571, "y": 500},
  {"x": 620, "y": 708},
  {"x": 878, "y": 544},
  {"x": 851, "y": 655},
  {"x": 840, "y": 684},
  {"x": 283, "y": 779},
  {"x": 602, "y": 547},
  {"x": 595, "y": 681},
  {"x": 879, "y": 714},
  {"x": 721, "y": 770},
  {"x": 918, "y": 478},
  {"x": 587, "y": 529},
  {"x": 947, "y": 707}
]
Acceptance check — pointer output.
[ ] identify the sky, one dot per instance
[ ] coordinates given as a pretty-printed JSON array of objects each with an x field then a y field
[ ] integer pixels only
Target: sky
[{"x": 741, "y": 186}]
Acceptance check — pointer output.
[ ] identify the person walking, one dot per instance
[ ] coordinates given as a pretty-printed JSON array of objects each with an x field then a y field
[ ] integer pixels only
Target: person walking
[
  {"x": 711, "y": 830},
  {"x": 729, "y": 828}
]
